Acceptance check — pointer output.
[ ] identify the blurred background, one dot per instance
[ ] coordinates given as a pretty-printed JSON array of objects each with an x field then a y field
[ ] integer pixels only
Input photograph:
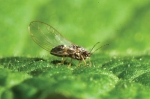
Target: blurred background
[{"x": 123, "y": 24}]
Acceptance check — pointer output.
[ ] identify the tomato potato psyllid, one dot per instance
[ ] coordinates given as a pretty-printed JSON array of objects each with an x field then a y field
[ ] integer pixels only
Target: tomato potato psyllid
[{"x": 51, "y": 40}]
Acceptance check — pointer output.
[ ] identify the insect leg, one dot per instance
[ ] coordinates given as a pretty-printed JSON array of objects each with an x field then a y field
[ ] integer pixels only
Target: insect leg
[
  {"x": 70, "y": 62},
  {"x": 83, "y": 60},
  {"x": 63, "y": 60},
  {"x": 79, "y": 62},
  {"x": 90, "y": 61}
]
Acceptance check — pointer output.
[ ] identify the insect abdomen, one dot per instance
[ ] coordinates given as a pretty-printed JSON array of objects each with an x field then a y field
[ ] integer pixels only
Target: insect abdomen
[{"x": 60, "y": 50}]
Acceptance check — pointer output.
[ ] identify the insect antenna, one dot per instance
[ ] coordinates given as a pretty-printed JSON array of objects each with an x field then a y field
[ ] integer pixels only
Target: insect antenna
[
  {"x": 99, "y": 48},
  {"x": 94, "y": 46}
]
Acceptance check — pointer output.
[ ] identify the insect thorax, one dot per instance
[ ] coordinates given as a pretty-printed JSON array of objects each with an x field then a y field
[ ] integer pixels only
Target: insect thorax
[{"x": 72, "y": 51}]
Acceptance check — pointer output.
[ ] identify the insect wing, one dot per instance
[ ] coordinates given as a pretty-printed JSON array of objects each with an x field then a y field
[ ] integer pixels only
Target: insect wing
[{"x": 46, "y": 36}]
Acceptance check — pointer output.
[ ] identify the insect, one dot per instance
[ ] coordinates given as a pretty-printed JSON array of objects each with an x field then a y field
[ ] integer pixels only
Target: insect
[{"x": 51, "y": 40}]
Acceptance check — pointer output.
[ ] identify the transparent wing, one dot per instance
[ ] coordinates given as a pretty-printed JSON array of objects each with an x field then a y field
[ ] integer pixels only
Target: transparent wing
[{"x": 46, "y": 36}]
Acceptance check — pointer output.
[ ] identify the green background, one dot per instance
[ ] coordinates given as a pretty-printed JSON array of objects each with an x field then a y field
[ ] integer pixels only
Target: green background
[
  {"x": 122, "y": 24},
  {"x": 120, "y": 70}
]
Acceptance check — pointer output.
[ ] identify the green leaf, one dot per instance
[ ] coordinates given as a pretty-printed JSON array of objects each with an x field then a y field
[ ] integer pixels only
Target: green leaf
[{"x": 128, "y": 76}]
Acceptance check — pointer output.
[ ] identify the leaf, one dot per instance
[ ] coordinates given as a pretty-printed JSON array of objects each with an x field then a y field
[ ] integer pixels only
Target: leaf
[{"x": 44, "y": 79}]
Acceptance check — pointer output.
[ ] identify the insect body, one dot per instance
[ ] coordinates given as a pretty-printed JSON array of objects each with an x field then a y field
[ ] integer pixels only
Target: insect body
[
  {"x": 51, "y": 40},
  {"x": 73, "y": 51}
]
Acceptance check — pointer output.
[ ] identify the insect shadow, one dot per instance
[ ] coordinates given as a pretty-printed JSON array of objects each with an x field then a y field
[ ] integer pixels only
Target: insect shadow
[{"x": 57, "y": 62}]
